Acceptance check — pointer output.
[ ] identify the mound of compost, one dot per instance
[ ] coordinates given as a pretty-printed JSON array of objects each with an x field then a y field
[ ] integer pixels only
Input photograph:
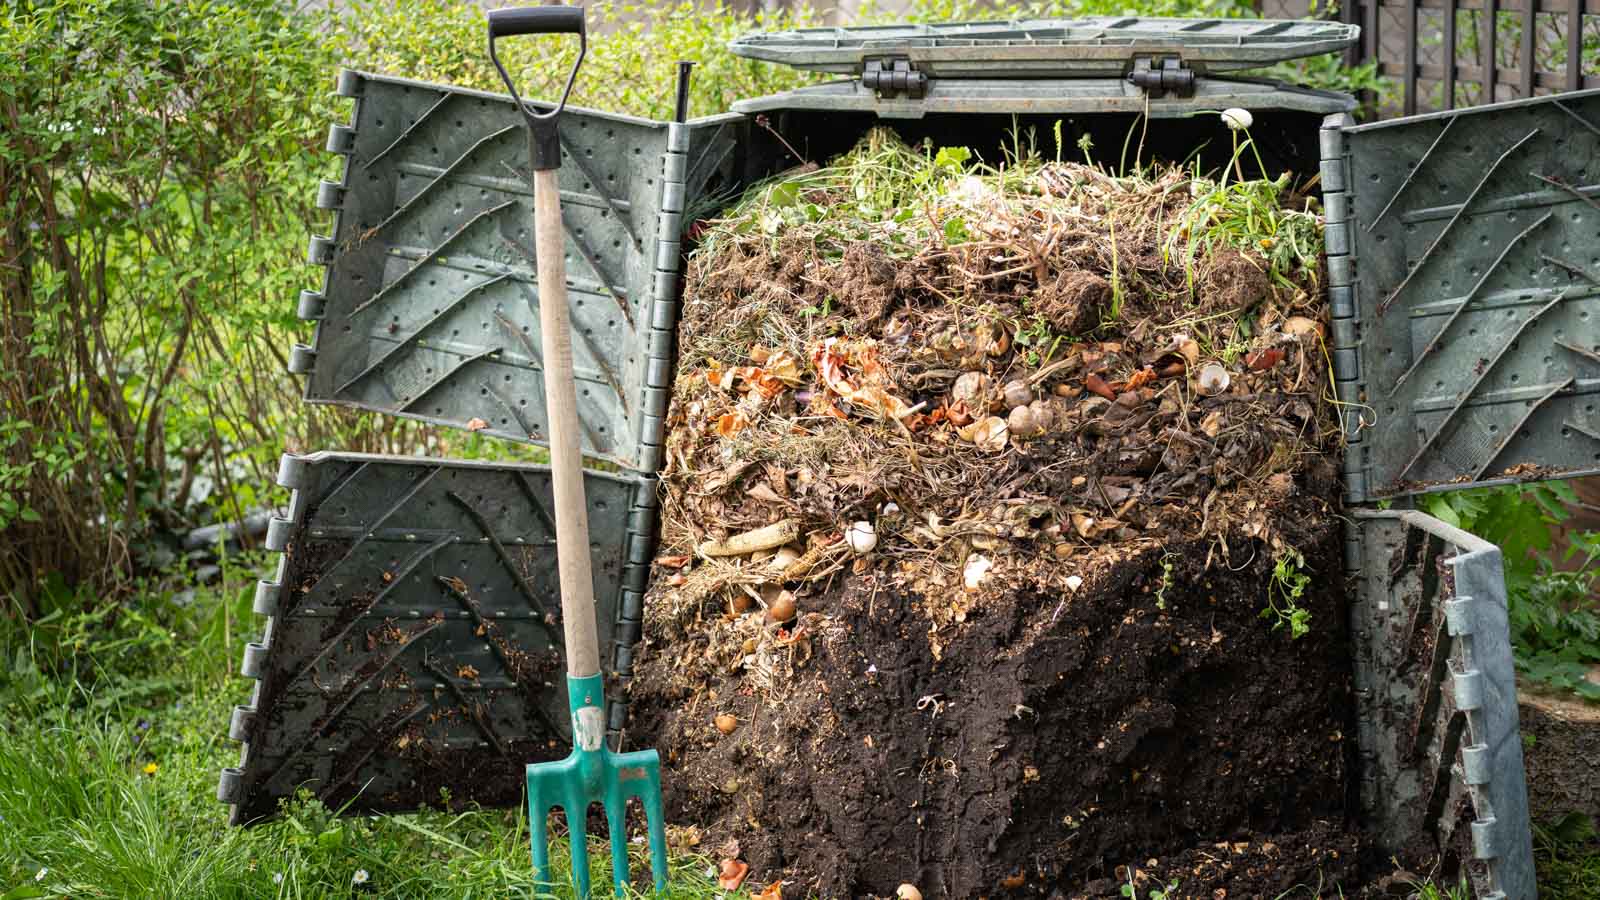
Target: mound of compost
[{"x": 997, "y": 547}]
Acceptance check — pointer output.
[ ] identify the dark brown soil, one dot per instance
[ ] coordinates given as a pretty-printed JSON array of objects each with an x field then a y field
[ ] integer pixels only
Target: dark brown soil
[
  {"x": 1056, "y": 737},
  {"x": 1562, "y": 754},
  {"x": 1267, "y": 867}
]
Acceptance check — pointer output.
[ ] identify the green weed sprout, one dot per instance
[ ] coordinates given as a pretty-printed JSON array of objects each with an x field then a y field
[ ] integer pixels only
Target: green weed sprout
[
  {"x": 1158, "y": 893},
  {"x": 1247, "y": 215},
  {"x": 1166, "y": 580},
  {"x": 1288, "y": 585}
]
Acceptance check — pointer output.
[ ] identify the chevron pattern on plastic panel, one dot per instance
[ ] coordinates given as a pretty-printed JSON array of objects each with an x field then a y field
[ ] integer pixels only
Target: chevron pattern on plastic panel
[{"x": 413, "y": 633}]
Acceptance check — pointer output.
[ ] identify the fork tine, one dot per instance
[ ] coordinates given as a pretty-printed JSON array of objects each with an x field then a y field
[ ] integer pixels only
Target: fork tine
[
  {"x": 640, "y": 776},
  {"x": 617, "y": 819},
  {"x": 578, "y": 839},
  {"x": 655, "y": 822},
  {"x": 538, "y": 826}
]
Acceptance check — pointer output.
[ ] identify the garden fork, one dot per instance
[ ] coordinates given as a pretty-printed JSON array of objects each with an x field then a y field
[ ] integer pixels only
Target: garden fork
[{"x": 592, "y": 772}]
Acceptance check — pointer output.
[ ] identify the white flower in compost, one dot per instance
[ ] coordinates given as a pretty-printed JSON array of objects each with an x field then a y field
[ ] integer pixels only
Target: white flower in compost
[
  {"x": 39, "y": 876},
  {"x": 277, "y": 878},
  {"x": 360, "y": 877},
  {"x": 1237, "y": 119}
]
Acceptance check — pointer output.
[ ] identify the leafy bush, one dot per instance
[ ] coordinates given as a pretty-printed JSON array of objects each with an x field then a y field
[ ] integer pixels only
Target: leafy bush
[
  {"x": 153, "y": 161},
  {"x": 1555, "y": 622},
  {"x": 157, "y": 164}
]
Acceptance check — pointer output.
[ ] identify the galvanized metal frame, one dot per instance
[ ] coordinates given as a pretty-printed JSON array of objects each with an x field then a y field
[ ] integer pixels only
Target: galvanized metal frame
[{"x": 1437, "y": 728}]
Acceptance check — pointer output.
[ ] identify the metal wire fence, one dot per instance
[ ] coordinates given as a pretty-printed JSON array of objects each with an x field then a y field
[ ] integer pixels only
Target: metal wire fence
[{"x": 1445, "y": 54}]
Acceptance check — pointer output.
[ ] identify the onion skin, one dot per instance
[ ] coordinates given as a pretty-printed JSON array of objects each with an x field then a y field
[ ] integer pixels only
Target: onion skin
[
  {"x": 782, "y": 609},
  {"x": 1017, "y": 393}
]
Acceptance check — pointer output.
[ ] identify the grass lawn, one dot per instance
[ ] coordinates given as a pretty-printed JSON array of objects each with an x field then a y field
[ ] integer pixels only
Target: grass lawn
[
  {"x": 113, "y": 732},
  {"x": 1567, "y": 871},
  {"x": 111, "y": 740}
]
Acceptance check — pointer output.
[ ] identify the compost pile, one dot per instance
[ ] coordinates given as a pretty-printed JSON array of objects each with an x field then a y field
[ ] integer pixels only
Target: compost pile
[{"x": 997, "y": 549}]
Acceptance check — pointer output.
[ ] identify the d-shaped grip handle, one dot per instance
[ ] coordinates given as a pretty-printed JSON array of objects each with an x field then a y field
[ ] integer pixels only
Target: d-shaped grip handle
[
  {"x": 536, "y": 20},
  {"x": 544, "y": 142}
]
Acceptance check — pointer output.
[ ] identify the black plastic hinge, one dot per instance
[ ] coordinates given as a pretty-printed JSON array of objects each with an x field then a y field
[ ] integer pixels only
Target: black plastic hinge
[
  {"x": 894, "y": 77},
  {"x": 1160, "y": 77}
]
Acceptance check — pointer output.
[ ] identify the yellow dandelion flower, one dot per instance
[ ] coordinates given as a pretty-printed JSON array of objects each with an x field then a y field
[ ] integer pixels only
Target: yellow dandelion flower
[{"x": 151, "y": 768}]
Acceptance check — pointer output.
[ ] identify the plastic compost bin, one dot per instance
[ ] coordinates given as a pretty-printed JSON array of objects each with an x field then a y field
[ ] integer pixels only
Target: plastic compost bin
[{"x": 408, "y": 654}]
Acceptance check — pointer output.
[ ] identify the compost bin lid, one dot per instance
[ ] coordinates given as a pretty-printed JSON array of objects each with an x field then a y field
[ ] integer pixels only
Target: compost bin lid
[{"x": 1050, "y": 48}]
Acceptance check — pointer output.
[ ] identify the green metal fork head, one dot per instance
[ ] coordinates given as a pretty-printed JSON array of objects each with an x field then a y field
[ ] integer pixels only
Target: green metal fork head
[{"x": 593, "y": 773}]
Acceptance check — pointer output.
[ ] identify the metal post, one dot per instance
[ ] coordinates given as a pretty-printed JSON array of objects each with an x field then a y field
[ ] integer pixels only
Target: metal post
[
  {"x": 1486, "y": 47},
  {"x": 1574, "y": 44},
  {"x": 1449, "y": 55},
  {"x": 1530, "y": 25},
  {"x": 1369, "y": 34}
]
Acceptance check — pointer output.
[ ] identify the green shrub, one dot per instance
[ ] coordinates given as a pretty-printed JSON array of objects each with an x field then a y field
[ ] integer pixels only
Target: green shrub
[
  {"x": 153, "y": 165},
  {"x": 1554, "y": 618}
]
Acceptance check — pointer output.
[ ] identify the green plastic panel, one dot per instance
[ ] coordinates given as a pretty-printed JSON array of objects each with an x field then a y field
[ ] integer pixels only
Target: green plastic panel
[
  {"x": 429, "y": 308},
  {"x": 407, "y": 648},
  {"x": 1436, "y": 721},
  {"x": 413, "y": 639},
  {"x": 1469, "y": 333},
  {"x": 1051, "y": 48}
]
